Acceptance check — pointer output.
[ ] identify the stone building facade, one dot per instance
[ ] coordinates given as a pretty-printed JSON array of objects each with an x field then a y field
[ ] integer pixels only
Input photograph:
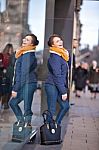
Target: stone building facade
[{"x": 14, "y": 23}]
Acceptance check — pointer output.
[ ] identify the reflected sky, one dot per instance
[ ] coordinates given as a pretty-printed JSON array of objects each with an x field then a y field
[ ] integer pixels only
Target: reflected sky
[{"x": 37, "y": 20}]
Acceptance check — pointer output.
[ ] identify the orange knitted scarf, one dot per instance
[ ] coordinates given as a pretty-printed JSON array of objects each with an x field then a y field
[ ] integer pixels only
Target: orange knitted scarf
[
  {"x": 24, "y": 49},
  {"x": 61, "y": 51}
]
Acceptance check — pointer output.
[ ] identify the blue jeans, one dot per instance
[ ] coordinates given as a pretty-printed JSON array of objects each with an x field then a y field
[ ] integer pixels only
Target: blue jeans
[
  {"x": 53, "y": 96},
  {"x": 25, "y": 93}
]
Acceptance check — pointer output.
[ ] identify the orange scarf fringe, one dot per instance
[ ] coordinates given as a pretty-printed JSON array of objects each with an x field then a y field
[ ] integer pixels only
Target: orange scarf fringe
[
  {"x": 62, "y": 52},
  {"x": 24, "y": 49}
]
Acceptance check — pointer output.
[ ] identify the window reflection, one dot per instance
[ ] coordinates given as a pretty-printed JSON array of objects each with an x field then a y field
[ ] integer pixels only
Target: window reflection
[
  {"x": 36, "y": 19},
  {"x": 2, "y": 5}
]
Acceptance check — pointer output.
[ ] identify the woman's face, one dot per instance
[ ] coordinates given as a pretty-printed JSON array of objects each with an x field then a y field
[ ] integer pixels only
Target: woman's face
[
  {"x": 57, "y": 42},
  {"x": 27, "y": 41},
  {"x": 10, "y": 51}
]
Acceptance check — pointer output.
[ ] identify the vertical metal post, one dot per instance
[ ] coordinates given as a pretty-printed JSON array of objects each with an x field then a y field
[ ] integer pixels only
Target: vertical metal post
[{"x": 70, "y": 74}]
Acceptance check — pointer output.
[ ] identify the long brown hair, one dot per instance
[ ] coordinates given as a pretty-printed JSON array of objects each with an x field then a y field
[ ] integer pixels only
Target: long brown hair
[{"x": 8, "y": 47}]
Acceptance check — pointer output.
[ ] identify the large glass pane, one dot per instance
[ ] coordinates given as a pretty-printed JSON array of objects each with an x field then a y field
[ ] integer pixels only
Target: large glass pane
[
  {"x": 36, "y": 20},
  {"x": 2, "y": 5}
]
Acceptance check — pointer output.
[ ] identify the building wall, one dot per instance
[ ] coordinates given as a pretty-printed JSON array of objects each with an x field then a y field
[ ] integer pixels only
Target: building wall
[{"x": 59, "y": 20}]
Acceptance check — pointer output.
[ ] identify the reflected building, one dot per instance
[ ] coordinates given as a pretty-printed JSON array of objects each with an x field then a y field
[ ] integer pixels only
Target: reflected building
[{"x": 14, "y": 22}]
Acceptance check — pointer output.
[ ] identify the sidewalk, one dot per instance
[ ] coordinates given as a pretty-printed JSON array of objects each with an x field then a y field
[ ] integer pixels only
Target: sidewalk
[
  {"x": 83, "y": 127},
  {"x": 80, "y": 127}
]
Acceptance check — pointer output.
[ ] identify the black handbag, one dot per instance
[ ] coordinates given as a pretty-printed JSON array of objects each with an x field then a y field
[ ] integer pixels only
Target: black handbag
[
  {"x": 50, "y": 133},
  {"x": 20, "y": 132}
]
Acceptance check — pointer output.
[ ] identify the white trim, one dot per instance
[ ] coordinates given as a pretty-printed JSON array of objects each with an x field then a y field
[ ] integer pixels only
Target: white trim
[
  {"x": 32, "y": 50},
  {"x": 54, "y": 52}
]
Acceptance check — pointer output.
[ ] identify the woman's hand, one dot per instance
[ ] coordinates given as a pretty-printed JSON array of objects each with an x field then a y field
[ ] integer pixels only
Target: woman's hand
[
  {"x": 64, "y": 97},
  {"x": 14, "y": 94}
]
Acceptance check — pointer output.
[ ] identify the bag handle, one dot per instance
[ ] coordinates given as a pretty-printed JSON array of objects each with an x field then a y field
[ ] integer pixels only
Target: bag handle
[
  {"x": 52, "y": 126},
  {"x": 46, "y": 114}
]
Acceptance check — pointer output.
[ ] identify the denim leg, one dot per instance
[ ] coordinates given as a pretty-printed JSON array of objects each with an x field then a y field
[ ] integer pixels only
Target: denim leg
[
  {"x": 13, "y": 103},
  {"x": 64, "y": 108},
  {"x": 28, "y": 93},
  {"x": 52, "y": 95}
]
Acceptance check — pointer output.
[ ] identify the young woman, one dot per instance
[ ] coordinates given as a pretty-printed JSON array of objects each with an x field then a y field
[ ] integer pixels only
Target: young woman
[
  {"x": 80, "y": 78},
  {"x": 8, "y": 62},
  {"x": 25, "y": 82},
  {"x": 93, "y": 79},
  {"x": 56, "y": 85}
]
